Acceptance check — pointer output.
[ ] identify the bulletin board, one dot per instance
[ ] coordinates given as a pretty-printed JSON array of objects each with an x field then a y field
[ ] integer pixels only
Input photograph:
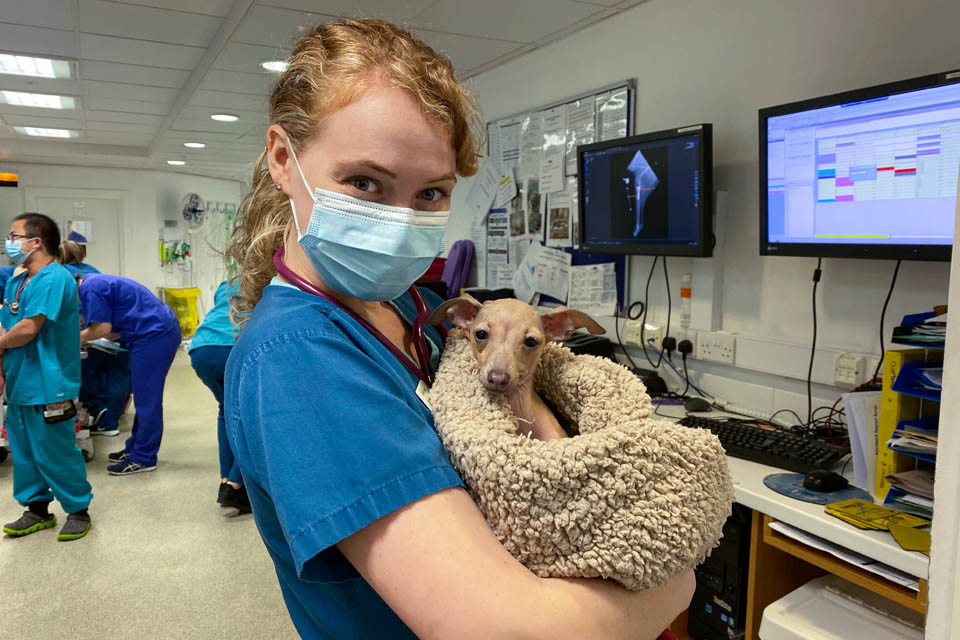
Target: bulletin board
[{"x": 531, "y": 165}]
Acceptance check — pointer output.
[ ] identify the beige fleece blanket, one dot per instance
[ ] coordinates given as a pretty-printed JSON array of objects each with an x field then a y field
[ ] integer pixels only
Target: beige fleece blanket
[{"x": 631, "y": 498}]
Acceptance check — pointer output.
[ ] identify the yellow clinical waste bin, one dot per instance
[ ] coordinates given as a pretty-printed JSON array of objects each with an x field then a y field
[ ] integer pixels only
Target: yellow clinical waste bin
[{"x": 184, "y": 305}]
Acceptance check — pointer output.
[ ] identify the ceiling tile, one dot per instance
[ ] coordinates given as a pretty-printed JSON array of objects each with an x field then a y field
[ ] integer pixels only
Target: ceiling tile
[
  {"x": 122, "y": 116},
  {"x": 110, "y": 49},
  {"x": 133, "y": 74},
  {"x": 43, "y": 121},
  {"x": 62, "y": 87},
  {"x": 207, "y": 7},
  {"x": 219, "y": 80},
  {"x": 133, "y": 106},
  {"x": 276, "y": 27},
  {"x": 145, "y": 23},
  {"x": 129, "y": 91},
  {"x": 398, "y": 11},
  {"x": 526, "y": 21},
  {"x": 37, "y": 41},
  {"x": 121, "y": 127},
  {"x": 247, "y": 58},
  {"x": 52, "y": 14},
  {"x": 124, "y": 140},
  {"x": 466, "y": 52},
  {"x": 225, "y": 100},
  {"x": 179, "y": 137}
]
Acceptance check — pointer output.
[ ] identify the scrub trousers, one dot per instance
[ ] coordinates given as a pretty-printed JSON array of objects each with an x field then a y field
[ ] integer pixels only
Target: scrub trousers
[
  {"x": 47, "y": 463},
  {"x": 150, "y": 360},
  {"x": 210, "y": 363},
  {"x": 105, "y": 384}
]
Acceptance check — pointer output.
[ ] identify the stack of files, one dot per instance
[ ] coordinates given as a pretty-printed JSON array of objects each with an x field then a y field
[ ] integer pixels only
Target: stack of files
[
  {"x": 863, "y": 424},
  {"x": 916, "y": 438},
  {"x": 920, "y": 380},
  {"x": 912, "y": 491},
  {"x": 866, "y": 515},
  {"x": 922, "y": 330}
]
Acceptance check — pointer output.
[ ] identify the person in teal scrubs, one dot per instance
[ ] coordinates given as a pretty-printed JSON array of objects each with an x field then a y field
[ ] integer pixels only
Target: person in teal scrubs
[
  {"x": 40, "y": 350},
  {"x": 209, "y": 350},
  {"x": 72, "y": 255}
]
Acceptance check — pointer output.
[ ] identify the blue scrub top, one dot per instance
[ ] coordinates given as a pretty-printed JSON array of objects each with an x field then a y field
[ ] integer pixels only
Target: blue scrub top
[
  {"x": 217, "y": 330},
  {"x": 81, "y": 269},
  {"x": 5, "y": 274},
  {"x": 135, "y": 313},
  {"x": 46, "y": 369},
  {"x": 330, "y": 436}
]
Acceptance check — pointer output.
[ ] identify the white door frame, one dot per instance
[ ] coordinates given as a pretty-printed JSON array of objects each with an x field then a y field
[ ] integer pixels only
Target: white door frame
[{"x": 32, "y": 196}]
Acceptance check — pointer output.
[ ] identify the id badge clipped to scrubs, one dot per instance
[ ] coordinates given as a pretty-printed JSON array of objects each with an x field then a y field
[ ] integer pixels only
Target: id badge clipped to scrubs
[
  {"x": 59, "y": 411},
  {"x": 423, "y": 391}
]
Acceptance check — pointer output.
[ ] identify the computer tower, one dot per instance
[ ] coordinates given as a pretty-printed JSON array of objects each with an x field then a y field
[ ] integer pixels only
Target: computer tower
[{"x": 719, "y": 606}]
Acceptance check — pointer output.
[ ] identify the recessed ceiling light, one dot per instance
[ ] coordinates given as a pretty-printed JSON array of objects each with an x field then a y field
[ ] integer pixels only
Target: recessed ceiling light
[
  {"x": 46, "y": 133},
  {"x": 176, "y": 163},
  {"x": 277, "y": 66},
  {"x": 42, "y": 100},
  {"x": 36, "y": 67},
  {"x": 194, "y": 145},
  {"x": 224, "y": 117}
]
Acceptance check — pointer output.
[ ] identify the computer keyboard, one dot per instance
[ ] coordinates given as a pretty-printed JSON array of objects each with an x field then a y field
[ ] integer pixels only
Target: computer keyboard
[{"x": 769, "y": 446}]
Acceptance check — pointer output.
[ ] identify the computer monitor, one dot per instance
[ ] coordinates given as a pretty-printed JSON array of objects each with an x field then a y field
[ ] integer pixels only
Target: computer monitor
[
  {"x": 650, "y": 194},
  {"x": 870, "y": 173}
]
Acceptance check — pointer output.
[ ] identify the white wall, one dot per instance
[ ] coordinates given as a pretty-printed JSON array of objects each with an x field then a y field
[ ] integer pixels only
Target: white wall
[
  {"x": 708, "y": 61},
  {"x": 151, "y": 197}
]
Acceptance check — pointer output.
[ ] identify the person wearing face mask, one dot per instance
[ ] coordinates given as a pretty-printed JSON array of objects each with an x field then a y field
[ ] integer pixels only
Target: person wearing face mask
[
  {"x": 40, "y": 350},
  {"x": 148, "y": 328},
  {"x": 370, "y": 529}
]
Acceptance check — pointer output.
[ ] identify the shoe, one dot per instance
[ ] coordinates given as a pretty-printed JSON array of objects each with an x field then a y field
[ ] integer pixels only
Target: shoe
[
  {"x": 29, "y": 523},
  {"x": 96, "y": 430},
  {"x": 222, "y": 493},
  {"x": 95, "y": 420},
  {"x": 118, "y": 456},
  {"x": 237, "y": 498},
  {"x": 127, "y": 468},
  {"x": 74, "y": 528}
]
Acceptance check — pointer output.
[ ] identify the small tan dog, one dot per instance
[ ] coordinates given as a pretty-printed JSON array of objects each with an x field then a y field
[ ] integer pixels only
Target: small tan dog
[{"x": 508, "y": 337}]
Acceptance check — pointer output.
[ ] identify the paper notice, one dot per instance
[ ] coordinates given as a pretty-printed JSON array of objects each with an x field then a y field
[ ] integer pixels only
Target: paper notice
[
  {"x": 506, "y": 191},
  {"x": 559, "y": 227},
  {"x": 497, "y": 243},
  {"x": 553, "y": 160},
  {"x": 531, "y": 144},
  {"x": 493, "y": 141},
  {"x": 518, "y": 219},
  {"x": 478, "y": 234},
  {"x": 484, "y": 189},
  {"x": 581, "y": 129},
  {"x": 509, "y": 134},
  {"x": 552, "y": 276},
  {"x": 533, "y": 204},
  {"x": 518, "y": 249},
  {"x": 523, "y": 277},
  {"x": 593, "y": 289},
  {"x": 504, "y": 276},
  {"x": 612, "y": 114}
]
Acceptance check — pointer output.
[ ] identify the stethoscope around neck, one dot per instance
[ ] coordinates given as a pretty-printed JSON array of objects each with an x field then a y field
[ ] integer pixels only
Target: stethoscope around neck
[{"x": 422, "y": 369}]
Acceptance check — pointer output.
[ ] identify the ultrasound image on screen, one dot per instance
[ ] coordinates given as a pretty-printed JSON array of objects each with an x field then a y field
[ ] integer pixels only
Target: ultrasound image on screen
[{"x": 638, "y": 187}]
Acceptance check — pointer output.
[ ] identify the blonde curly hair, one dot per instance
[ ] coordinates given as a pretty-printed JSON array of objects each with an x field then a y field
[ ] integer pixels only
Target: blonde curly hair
[{"x": 331, "y": 66}]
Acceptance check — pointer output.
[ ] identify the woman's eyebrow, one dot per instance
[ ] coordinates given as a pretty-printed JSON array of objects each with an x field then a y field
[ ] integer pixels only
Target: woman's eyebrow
[{"x": 348, "y": 165}]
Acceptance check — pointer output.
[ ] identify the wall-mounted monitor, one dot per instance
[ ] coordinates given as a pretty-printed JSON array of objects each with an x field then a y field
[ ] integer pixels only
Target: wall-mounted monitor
[
  {"x": 650, "y": 194},
  {"x": 870, "y": 173}
]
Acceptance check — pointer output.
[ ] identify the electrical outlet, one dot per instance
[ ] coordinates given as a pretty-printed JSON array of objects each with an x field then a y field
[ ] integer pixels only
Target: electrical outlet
[
  {"x": 631, "y": 333},
  {"x": 716, "y": 346},
  {"x": 849, "y": 370},
  {"x": 655, "y": 333}
]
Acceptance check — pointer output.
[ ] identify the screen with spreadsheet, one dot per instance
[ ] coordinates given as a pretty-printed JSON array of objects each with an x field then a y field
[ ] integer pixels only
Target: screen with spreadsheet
[{"x": 874, "y": 176}]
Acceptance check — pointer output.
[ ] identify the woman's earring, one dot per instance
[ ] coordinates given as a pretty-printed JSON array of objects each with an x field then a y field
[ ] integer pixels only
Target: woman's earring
[{"x": 277, "y": 185}]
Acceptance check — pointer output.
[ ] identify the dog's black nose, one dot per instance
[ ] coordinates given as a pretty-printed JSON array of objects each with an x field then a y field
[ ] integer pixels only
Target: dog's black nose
[{"x": 498, "y": 379}]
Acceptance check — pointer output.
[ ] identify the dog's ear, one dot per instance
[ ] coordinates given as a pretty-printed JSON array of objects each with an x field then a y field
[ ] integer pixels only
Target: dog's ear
[
  {"x": 459, "y": 312},
  {"x": 560, "y": 323}
]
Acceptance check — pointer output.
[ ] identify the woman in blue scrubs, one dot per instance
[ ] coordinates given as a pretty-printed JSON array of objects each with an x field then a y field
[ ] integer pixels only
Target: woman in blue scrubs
[
  {"x": 369, "y": 527},
  {"x": 72, "y": 256},
  {"x": 148, "y": 328},
  {"x": 209, "y": 350},
  {"x": 40, "y": 348}
]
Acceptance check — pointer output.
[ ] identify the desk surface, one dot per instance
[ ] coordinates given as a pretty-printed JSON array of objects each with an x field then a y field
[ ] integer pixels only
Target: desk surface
[{"x": 751, "y": 492}]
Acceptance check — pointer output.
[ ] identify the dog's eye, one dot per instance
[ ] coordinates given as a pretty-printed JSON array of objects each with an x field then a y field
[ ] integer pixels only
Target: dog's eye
[
  {"x": 480, "y": 334},
  {"x": 531, "y": 343}
]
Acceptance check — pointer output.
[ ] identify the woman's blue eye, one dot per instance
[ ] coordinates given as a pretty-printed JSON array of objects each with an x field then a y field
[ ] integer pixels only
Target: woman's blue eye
[
  {"x": 432, "y": 195},
  {"x": 364, "y": 184}
]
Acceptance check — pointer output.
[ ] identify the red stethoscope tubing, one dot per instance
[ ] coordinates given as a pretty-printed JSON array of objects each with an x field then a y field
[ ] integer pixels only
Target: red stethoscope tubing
[{"x": 422, "y": 369}]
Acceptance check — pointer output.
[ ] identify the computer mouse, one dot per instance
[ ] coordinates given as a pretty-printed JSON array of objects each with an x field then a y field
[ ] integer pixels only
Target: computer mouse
[
  {"x": 823, "y": 481},
  {"x": 694, "y": 405}
]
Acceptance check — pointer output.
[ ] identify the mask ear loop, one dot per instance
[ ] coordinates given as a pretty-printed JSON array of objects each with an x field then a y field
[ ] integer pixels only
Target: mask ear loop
[{"x": 293, "y": 207}]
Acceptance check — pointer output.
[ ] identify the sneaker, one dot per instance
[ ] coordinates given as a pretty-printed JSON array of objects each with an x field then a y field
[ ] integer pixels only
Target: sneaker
[
  {"x": 222, "y": 493},
  {"x": 75, "y": 527},
  {"x": 96, "y": 430},
  {"x": 237, "y": 498},
  {"x": 29, "y": 523},
  {"x": 95, "y": 420},
  {"x": 119, "y": 456},
  {"x": 128, "y": 467}
]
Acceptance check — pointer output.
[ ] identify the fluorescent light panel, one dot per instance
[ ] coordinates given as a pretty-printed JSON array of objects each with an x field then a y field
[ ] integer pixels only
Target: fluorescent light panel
[
  {"x": 47, "y": 133},
  {"x": 224, "y": 117},
  {"x": 276, "y": 66},
  {"x": 176, "y": 163},
  {"x": 41, "y": 100},
  {"x": 194, "y": 145},
  {"x": 35, "y": 67}
]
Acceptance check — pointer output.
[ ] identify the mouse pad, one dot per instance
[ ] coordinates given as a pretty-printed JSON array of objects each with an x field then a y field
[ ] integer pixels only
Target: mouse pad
[{"x": 791, "y": 485}]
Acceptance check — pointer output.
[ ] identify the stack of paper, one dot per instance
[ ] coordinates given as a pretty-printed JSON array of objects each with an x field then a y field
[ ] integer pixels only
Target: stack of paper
[
  {"x": 863, "y": 420},
  {"x": 866, "y": 515},
  {"x": 916, "y": 438},
  {"x": 912, "y": 491}
]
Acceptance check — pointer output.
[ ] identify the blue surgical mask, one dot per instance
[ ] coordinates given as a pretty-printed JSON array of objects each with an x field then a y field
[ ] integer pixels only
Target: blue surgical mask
[
  {"x": 14, "y": 250},
  {"x": 366, "y": 250}
]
